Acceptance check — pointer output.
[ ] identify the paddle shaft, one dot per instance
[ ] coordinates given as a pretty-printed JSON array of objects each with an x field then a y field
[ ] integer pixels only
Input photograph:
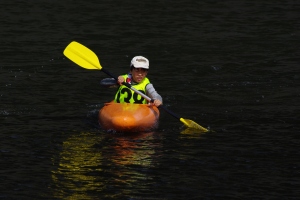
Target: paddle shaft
[{"x": 151, "y": 100}]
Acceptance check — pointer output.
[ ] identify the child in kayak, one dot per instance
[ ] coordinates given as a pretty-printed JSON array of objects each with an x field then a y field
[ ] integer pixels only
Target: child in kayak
[{"x": 137, "y": 78}]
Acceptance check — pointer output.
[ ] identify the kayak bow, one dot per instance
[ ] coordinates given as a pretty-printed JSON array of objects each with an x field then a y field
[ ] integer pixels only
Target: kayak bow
[{"x": 126, "y": 117}]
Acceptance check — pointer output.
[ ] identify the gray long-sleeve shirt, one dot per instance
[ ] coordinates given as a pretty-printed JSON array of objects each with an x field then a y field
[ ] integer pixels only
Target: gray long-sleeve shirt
[{"x": 151, "y": 92}]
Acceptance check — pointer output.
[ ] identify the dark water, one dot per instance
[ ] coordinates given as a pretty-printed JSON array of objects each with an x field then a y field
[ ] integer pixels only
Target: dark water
[{"x": 231, "y": 65}]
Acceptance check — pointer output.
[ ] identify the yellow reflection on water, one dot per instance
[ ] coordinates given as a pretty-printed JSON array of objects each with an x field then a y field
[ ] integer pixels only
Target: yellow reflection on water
[
  {"x": 76, "y": 159},
  {"x": 89, "y": 164},
  {"x": 192, "y": 131}
]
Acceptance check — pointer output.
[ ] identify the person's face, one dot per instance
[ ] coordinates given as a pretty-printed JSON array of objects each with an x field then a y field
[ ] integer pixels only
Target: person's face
[{"x": 138, "y": 74}]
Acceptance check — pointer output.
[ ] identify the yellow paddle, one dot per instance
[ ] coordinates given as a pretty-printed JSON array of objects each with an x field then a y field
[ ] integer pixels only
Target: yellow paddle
[{"x": 87, "y": 59}]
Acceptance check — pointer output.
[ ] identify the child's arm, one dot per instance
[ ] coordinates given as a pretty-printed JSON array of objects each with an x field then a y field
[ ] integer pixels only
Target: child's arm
[{"x": 151, "y": 92}]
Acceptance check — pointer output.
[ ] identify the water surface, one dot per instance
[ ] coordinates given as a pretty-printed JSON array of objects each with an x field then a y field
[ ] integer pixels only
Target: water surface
[{"x": 231, "y": 66}]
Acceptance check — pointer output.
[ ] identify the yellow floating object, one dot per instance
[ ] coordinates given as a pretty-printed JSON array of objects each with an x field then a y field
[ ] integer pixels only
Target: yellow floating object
[{"x": 126, "y": 117}]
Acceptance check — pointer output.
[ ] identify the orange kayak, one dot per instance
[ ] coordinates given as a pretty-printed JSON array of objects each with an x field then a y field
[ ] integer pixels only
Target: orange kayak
[{"x": 126, "y": 117}]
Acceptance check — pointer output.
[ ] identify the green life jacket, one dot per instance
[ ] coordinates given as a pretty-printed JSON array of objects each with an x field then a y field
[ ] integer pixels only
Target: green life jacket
[{"x": 126, "y": 95}]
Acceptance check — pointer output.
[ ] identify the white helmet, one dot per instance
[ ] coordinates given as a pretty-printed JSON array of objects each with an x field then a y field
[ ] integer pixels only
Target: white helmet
[{"x": 140, "y": 62}]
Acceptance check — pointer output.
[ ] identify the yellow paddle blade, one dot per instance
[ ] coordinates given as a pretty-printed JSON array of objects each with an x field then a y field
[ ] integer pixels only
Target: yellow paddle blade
[
  {"x": 82, "y": 56},
  {"x": 191, "y": 124}
]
